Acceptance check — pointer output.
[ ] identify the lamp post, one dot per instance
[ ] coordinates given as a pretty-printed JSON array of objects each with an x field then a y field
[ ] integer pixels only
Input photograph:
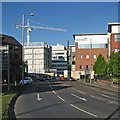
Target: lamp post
[
  {"x": 23, "y": 26},
  {"x": 90, "y": 58}
]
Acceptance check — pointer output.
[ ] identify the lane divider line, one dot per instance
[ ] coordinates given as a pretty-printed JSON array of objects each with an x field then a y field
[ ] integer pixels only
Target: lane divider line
[
  {"x": 109, "y": 97},
  {"x": 79, "y": 97},
  {"x": 60, "y": 98},
  {"x": 54, "y": 92},
  {"x": 79, "y": 91},
  {"x": 83, "y": 110}
]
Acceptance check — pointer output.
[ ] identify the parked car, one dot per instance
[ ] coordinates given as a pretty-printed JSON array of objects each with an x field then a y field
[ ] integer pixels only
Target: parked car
[
  {"x": 38, "y": 77},
  {"x": 27, "y": 80},
  {"x": 53, "y": 77},
  {"x": 49, "y": 78},
  {"x": 71, "y": 79},
  {"x": 62, "y": 78}
]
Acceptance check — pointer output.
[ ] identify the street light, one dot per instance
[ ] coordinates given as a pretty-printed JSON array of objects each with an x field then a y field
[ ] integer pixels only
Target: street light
[
  {"x": 90, "y": 58},
  {"x": 23, "y": 26}
]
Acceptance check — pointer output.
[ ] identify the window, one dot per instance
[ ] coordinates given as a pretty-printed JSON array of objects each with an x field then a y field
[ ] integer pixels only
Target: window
[
  {"x": 87, "y": 56},
  {"x": 117, "y": 38},
  {"x": 73, "y": 62},
  {"x": 73, "y": 49},
  {"x": 80, "y": 56},
  {"x": 117, "y": 50},
  {"x": 94, "y": 56},
  {"x": 87, "y": 66},
  {"x": 80, "y": 66},
  {"x": 87, "y": 46}
]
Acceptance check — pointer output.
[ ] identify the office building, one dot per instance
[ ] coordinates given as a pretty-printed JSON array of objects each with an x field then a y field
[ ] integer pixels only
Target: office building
[
  {"x": 38, "y": 57},
  {"x": 87, "y": 49},
  {"x": 114, "y": 41},
  {"x": 59, "y": 59},
  {"x": 11, "y": 59}
]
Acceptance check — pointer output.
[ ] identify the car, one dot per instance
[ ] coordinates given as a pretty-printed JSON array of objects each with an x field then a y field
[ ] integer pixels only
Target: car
[
  {"x": 71, "y": 79},
  {"x": 38, "y": 77},
  {"x": 62, "y": 78},
  {"x": 49, "y": 78},
  {"x": 53, "y": 77},
  {"x": 26, "y": 80}
]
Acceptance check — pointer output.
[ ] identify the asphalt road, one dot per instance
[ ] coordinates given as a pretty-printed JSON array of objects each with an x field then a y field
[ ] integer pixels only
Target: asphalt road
[{"x": 66, "y": 99}]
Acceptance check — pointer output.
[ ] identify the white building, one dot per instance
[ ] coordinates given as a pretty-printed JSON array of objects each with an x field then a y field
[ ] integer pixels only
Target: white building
[
  {"x": 59, "y": 58},
  {"x": 38, "y": 56}
]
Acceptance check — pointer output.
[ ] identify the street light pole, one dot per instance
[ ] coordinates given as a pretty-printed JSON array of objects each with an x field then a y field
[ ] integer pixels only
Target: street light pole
[
  {"x": 23, "y": 20},
  {"x": 90, "y": 59}
]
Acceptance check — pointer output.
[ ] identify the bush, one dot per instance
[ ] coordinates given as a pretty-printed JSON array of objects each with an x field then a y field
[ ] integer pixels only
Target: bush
[{"x": 116, "y": 80}]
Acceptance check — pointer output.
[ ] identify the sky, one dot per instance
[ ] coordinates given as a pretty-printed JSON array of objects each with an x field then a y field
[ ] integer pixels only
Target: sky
[{"x": 75, "y": 17}]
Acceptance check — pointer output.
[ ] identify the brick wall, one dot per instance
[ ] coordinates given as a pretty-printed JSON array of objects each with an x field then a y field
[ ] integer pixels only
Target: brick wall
[
  {"x": 84, "y": 61},
  {"x": 114, "y": 45}
]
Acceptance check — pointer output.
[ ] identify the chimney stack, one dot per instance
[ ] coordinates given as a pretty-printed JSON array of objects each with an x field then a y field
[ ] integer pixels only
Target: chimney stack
[{"x": 68, "y": 44}]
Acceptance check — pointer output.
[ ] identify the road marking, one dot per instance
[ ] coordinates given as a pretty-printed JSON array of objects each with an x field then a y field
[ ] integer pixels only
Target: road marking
[
  {"x": 83, "y": 110},
  {"x": 79, "y": 91},
  {"x": 110, "y": 102},
  {"x": 109, "y": 97},
  {"x": 60, "y": 98},
  {"x": 79, "y": 97},
  {"x": 97, "y": 98},
  {"x": 54, "y": 92},
  {"x": 38, "y": 97},
  {"x": 110, "y": 93}
]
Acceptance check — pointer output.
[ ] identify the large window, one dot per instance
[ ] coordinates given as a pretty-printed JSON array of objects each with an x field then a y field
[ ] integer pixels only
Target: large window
[
  {"x": 87, "y": 46},
  {"x": 117, "y": 38}
]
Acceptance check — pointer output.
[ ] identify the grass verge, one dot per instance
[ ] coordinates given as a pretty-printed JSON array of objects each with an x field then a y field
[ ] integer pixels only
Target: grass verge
[{"x": 7, "y": 97}]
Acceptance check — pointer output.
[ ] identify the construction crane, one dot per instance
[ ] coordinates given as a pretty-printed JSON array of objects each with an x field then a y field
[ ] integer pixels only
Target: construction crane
[{"x": 30, "y": 28}]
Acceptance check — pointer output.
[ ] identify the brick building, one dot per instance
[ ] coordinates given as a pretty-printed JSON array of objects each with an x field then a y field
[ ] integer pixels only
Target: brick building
[
  {"x": 89, "y": 46},
  {"x": 114, "y": 31},
  {"x": 87, "y": 49}
]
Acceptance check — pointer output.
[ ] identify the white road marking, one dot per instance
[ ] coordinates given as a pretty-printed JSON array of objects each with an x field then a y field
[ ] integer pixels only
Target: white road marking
[
  {"x": 79, "y": 91},
  {"x": 79, "y": 97},
  {"x": 110, "y": 93},
  {"x": 60, "y": 98},
  {"x": 54, "y": 92},
  {"x": 110, "y": 102},
  {"x": 38, "y": 97},
  {"x": 109, "y": 97},
  {"x": 83, "y": 110},
  {"x": 97, "y": 97}
]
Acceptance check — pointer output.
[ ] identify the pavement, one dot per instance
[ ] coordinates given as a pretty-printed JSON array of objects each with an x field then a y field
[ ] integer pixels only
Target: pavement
[{"x": 104, "y": 85}]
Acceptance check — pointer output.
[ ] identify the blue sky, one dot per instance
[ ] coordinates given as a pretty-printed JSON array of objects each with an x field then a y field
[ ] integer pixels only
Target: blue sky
[{"x": 75, "y": 17}]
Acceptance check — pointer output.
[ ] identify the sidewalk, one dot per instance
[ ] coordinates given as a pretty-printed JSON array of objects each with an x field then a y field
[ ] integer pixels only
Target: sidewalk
[{"x": 112, "y": 87}]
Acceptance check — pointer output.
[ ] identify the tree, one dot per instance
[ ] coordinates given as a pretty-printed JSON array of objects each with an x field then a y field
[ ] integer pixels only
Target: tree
[
  {"x": 100, "y": 66},
  {"x": 114, "y": 64}
]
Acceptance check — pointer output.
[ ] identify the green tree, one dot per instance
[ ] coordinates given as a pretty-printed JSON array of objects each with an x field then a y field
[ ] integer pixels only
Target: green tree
[
  {"x": 113, "y": 66},
  {"x": 100, "y": 66}
]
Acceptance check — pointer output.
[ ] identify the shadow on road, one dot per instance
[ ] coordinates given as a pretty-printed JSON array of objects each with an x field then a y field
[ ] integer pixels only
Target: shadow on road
[{"x": 46, "y": 86}]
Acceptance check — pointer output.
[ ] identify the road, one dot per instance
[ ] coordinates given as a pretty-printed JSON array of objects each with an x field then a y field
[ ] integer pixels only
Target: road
[{"x": 66, "y": 99}]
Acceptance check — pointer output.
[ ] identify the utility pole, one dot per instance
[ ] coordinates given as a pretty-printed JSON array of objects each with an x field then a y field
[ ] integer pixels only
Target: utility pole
[
  {"x": 8, "y": 69},
  {"x": 90, "y": 58},
  {"x": 23, "y": 48}
]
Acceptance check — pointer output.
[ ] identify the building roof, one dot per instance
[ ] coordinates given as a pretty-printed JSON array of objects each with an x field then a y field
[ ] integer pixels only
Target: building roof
[
  {"x": 88, "y": 34},
  {"x": 8, "y": 40},
  {"x": 118, "y": 23}
]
